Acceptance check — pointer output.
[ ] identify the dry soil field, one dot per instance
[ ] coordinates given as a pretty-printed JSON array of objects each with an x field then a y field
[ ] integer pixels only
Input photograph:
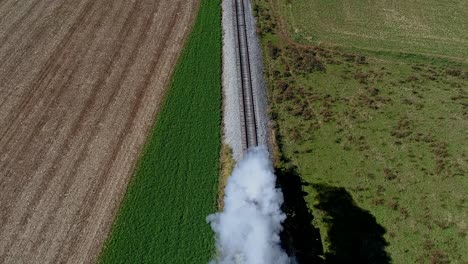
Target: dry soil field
[{"x": 80, "y": 83}]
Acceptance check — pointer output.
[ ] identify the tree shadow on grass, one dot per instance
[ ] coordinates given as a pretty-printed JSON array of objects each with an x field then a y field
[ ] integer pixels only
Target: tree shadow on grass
[
  {"x": 299, "y": 237},
  {"x": 353, "y": 234}
]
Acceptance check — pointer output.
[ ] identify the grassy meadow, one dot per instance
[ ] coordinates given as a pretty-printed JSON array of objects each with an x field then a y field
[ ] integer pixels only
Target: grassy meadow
[
  {"x": 430, "y": 27},
  {"x": 162, "y": 216},
  {"x": 377, "y": 130}
]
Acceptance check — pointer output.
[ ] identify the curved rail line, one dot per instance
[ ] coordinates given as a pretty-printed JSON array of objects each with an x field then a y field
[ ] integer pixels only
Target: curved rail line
[{"x": 248, "y": 119}]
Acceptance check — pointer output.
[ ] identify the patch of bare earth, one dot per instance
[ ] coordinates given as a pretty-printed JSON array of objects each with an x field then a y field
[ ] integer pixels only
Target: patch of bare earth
[{"x": 80, "y": 84}]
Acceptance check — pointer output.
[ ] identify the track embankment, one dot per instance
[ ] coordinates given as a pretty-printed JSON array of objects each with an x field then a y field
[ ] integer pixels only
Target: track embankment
[
  {"x": 245, "y": 119},
  {"x": 249, "y": 125}
]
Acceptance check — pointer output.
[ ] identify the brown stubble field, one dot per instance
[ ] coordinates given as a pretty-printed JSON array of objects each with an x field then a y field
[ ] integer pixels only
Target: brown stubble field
[{"x": 80, "y": 84}]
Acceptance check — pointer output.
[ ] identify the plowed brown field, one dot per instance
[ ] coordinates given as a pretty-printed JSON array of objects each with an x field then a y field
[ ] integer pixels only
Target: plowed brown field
[{"x": 80, "y": 83}]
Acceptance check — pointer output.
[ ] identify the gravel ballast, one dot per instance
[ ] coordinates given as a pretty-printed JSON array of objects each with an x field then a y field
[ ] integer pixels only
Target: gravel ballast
[{"x": 231, "y": 80}]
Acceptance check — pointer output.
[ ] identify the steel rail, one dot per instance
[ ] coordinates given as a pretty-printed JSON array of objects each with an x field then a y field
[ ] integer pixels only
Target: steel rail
[{"x": 249, "y": 125}]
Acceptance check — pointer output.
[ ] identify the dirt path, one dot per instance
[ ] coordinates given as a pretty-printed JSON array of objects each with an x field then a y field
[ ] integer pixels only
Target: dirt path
[{"x": 80, "y": 83}]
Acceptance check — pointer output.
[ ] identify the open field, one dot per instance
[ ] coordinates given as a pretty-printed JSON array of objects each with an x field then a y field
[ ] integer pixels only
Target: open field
[
  {"x": 429, "y": 27},
  {"x": 162, "y": 218},
  {"x": 80, "y": 83},
  {"x": 379, "y": 140}
]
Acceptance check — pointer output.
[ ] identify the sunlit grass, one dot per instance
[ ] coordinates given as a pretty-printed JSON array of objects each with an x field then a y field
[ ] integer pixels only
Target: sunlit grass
[{"x": 162, "y": 216}]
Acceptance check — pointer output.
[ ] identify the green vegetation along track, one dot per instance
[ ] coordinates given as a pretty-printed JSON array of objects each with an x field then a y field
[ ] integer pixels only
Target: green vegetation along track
[{"x": 162, "y": 216}]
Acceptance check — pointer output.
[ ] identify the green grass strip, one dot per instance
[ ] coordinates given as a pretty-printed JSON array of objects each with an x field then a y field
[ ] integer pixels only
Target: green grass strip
[{"x": 162, "y": 217}]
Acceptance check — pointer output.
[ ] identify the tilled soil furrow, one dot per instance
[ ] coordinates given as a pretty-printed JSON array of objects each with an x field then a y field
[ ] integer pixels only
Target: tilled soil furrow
[
  {"x": 29, "y": 99},
  {"x": 75, "y": 111},
  {"x": 60, "y": 89},
  {"x": 87, "y": 112},
  {"x": 16, "y": 19},
  {"x": 77, "y": 126},
  {"x": 94, "y": 188},
  {"x": 25, "y": 40},
  {"x": 16, "y": 34}
]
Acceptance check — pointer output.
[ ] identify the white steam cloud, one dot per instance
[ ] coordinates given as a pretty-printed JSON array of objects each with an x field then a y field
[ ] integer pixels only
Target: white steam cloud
[{"x": 247, "y": 231}]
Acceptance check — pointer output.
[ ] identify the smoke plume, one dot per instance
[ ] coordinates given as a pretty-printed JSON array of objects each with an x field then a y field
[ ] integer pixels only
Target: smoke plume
[{"x": 247, "y": 231}]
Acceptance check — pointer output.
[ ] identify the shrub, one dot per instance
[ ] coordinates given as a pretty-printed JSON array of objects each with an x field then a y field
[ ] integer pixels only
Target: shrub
[
  {"x": 273, "y": 51},
  {"x": 454, "y": 72},
  {"x": 389, "y": 174}
]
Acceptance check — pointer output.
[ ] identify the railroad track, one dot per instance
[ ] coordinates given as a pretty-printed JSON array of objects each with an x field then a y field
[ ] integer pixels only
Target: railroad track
[{"x": 248, "y": 119}]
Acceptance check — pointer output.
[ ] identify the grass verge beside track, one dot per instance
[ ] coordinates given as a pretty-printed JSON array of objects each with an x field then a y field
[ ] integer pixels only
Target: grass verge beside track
[{"x": 162, "y": 216}]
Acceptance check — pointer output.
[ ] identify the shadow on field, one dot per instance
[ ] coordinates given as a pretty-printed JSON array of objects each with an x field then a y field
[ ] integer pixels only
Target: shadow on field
[
  {"x": 299, "y": 237},
  {"x": 354, "y": 234}
]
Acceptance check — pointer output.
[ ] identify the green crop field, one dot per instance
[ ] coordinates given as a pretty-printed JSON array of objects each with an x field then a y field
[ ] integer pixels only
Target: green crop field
[
  {"x": 379, "y": 138},
  {"x": 162, "y": 217},
  {"x": 430, "y": 26}
]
